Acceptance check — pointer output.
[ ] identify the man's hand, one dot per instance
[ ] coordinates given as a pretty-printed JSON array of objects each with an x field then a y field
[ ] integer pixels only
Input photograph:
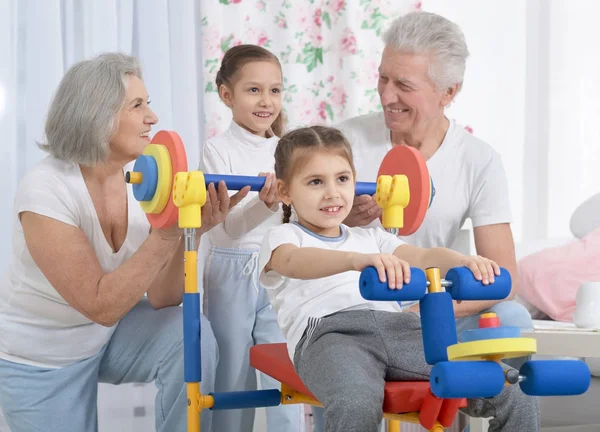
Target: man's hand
[{"x": 364, "y": 211}]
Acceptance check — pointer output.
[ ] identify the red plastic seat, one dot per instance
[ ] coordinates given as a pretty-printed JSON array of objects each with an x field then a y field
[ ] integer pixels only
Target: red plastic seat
[{"x": 399, "y": 398}]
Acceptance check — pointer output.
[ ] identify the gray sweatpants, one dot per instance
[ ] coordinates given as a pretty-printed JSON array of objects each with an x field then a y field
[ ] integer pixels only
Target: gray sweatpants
[{"x": 344, "y": 359}]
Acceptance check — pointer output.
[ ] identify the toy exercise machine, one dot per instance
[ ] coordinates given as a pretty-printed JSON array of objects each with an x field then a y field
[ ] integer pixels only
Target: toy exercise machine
[{"x": 169, "y": 194}]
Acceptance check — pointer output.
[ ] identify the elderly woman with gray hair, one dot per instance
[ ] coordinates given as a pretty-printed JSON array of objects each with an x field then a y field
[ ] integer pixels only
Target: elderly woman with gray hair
[{"x": 73, "y": 310}]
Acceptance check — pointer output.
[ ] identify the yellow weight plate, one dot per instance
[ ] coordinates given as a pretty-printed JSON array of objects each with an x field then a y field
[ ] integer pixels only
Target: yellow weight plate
[
  {"x": 165, "y": 176},
  {"x": 492, "y": 349}
]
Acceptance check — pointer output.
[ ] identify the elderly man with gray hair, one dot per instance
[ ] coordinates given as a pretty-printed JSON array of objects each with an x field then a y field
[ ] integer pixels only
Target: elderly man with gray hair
[
  {"x": 73, "y": 310},
  {"x": 421, "y": 72}
]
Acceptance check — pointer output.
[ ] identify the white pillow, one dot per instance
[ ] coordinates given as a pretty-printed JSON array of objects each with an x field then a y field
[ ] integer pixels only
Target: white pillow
[
  {"x": 586, "y": 218},
  {"x": 526, "y": 248}
]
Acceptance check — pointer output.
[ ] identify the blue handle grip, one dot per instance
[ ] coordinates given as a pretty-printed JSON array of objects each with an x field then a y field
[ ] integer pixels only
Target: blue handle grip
[
  {"x": 466, "y": 287},
  {"x": 371, "y": 288},
  {"x": 366, "y": 188},
  {"x": 237, "y": 182}
]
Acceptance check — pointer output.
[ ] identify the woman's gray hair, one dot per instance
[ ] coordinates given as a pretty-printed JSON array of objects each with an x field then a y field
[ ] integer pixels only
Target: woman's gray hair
[
  {"x": 84, "y": 114},
  {"x": 428, "y": 33}
]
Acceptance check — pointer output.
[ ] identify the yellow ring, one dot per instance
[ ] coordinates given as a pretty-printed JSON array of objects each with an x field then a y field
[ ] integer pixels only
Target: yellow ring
[
  {"x": 165, "y": 176},
  {"x": 492, "y": 349}
]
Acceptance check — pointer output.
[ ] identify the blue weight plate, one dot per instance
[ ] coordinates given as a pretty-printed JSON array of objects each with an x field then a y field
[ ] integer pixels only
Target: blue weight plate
[
  {"x": 490, "y": 333},
  {"x": 146, "y": 165}
]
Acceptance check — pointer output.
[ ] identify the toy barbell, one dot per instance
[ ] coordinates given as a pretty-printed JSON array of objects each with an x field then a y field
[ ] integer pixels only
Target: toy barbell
[{"x": 403, "y": 189}]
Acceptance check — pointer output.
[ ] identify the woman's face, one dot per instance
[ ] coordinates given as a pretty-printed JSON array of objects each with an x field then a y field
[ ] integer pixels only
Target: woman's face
[
  {"x": 135, "y": 123},
  {"x": 408, "y": 96}
]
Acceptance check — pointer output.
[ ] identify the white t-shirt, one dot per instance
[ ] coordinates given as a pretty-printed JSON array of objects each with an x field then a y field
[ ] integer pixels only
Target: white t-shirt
[
  {"x": 37, "y": 326},
  {"x": 240, "y": 152},
  {"x": 467, "y": 174},
  {"x": 296, "y": 300}
]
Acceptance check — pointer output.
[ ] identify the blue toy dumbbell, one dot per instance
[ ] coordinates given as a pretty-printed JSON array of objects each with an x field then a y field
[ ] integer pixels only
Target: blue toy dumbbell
[
  {"x": 460, "y": 283},
  {"x": 474, "y": 379},
  {"x": 554, "y": 377},
  {"x": 437, "y": 312}
]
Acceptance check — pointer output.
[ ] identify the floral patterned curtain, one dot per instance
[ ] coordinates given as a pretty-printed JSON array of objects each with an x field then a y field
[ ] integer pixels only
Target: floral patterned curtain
[{"x": 329, "y": 50}]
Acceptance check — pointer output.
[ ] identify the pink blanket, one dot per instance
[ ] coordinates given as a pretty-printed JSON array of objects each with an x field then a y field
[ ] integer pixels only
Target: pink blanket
[{"x": 549, "y": 279}]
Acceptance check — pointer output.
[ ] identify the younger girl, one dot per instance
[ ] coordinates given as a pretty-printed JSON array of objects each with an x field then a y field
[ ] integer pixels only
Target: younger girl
[
  {"x": 344, "y": 347},
  {"x": 249, "y": 83}
]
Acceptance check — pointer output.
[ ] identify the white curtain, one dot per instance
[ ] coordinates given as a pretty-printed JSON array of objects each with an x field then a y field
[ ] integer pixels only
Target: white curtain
[
  {"x": 41, "y": 39},
  {"x": 573, "y": 113}
]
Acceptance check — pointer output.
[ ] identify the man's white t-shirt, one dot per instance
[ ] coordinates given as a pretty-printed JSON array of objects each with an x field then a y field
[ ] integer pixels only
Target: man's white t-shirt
[
  {"x": 296, "y": 300},
  {"x": 467, "y": 174},
  {"x": 37, "y": 326},
  {"x": 240, "y": 152}
]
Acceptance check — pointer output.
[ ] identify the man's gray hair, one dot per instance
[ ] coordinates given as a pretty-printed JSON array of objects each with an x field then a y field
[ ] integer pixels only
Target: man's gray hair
[
  {"x": 84, "y": 113},
  {"x": 428, "y": 33}
]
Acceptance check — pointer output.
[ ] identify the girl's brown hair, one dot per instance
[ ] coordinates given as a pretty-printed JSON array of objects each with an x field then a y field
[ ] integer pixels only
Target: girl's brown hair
[
  {"x": 235, "y": 59},
  {"x": 295, "y": 147}
]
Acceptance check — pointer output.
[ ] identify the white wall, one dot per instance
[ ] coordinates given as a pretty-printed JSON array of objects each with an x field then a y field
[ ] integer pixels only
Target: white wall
[
  {"x": 493, "y": 97},
  {"x": 574, "y": 108},
  {"x": 531, "y": 91}
]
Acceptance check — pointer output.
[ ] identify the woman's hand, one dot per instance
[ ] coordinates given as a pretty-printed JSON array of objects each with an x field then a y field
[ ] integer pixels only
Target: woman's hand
[
  {"x": 171, "y": 234},
  {"x": 483, "y": 269},
  {"x": 218, "y": 204},
  {"x": 268, "y": 193},
  {"x": 397, "y": 270},
  {"x": 214, "y": 211}
]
